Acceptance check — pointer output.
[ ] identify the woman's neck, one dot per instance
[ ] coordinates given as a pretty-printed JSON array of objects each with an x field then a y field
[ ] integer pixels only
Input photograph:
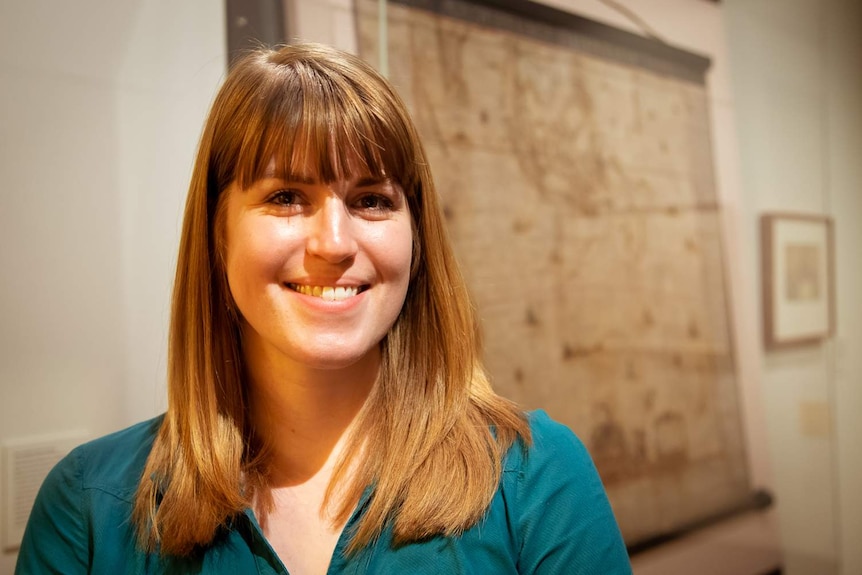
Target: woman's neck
[{"x": 305, "y": 415}]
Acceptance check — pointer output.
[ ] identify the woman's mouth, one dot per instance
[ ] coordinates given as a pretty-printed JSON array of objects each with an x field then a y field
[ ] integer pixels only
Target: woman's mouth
[{"x": 328, "y": 293}]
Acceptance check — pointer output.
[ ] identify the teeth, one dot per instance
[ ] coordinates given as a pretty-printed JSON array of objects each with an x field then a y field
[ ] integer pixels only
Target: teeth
[{"x": 327, "y": 293}]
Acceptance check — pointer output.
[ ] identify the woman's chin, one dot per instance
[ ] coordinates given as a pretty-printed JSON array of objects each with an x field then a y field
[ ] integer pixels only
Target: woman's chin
[{"x": 336, "y": 358}]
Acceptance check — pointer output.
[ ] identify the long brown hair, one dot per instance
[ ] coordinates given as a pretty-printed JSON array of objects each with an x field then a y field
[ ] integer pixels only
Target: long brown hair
[{"x": 432, "y": 432}]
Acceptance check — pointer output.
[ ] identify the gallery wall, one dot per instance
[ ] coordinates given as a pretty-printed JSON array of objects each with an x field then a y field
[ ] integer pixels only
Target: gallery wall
[{"x": 101, "y": 105}]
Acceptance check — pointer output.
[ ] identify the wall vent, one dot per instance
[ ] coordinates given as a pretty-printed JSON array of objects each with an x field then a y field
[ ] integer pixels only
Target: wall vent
[{"x": 26, "y": 463}]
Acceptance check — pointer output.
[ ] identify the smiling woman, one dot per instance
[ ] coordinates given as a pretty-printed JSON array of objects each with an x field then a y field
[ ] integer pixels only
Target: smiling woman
[{"x": 328, "y": 411}]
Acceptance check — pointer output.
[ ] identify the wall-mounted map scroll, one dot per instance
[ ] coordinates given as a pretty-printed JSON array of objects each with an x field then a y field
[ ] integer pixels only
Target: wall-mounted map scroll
[{"x": 576, "y": 176}]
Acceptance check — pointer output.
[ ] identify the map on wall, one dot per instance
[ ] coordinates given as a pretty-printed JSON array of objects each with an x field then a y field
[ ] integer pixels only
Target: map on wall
[{"x": 579, "y": 192}]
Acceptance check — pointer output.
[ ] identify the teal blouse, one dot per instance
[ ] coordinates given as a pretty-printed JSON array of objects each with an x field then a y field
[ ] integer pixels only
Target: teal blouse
[{"x": 550, "y": 515}]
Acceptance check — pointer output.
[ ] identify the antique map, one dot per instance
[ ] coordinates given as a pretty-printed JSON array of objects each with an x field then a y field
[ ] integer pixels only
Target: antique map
[{"x": 580, "y": 197}]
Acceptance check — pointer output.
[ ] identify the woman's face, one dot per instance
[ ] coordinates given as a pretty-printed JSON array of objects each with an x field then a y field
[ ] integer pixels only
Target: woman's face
[{"x": 319, "y": 271}]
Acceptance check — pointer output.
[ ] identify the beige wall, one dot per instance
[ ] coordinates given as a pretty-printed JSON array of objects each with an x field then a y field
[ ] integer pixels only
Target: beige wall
[{"x": 101, "y": 106}]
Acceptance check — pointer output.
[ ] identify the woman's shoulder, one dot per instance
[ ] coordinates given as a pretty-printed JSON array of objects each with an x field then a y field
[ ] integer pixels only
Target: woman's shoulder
[
  {"x": 112, "y": 463},
  {"x": 551, "y": 443},
  {"x": 90, "y": 491},
  {"x": 562, "y": 519},
  {"x": 548, "y": 429}
]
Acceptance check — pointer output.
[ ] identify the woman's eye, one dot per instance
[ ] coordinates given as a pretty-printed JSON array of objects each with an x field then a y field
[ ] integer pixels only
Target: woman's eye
[
  {"x": 285, "y": 198},
  {"x": 375, "y": 202}
]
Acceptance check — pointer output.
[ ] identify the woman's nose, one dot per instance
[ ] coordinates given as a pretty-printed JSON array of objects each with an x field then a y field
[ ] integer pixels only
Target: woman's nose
[{"x": 331, "y": 236}]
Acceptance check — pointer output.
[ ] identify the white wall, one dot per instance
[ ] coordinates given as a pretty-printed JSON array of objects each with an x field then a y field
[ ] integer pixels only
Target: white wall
[
  {"x": 101, "y": 106},
  {"x": 798, "y": 84}
]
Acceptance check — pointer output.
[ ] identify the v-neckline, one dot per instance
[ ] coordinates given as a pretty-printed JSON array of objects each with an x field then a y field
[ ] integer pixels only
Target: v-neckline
[{"x": 336, "y": 561}]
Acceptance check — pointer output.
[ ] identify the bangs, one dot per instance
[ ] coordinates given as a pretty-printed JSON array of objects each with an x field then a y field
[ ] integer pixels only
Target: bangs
[{"x": 304, "y": 119}]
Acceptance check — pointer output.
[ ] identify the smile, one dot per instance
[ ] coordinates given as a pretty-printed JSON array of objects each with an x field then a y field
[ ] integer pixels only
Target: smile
[{"x": 328, "y": 293}]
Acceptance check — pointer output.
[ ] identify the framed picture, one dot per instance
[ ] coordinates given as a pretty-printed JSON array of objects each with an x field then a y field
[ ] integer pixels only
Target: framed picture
[{"x": 798, "y": 279}]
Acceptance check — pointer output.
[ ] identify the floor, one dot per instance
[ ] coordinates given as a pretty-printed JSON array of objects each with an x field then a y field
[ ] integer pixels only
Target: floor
[{"x": 745, "y": 545}]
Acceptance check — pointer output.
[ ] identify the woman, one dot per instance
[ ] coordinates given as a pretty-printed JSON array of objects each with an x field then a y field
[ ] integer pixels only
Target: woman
[{"x": 328, "y": 412}]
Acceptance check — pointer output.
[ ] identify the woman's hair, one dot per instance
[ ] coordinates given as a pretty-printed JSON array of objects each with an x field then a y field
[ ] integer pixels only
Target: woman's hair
[{"x": 432, "y": 432}]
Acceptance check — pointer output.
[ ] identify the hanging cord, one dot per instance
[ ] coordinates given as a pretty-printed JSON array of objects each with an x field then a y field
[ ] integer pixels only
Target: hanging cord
[
  {"x": 648, "y": 30},
  {"x": 382, "y": 35},
  {"x": 383, "y": 38}
]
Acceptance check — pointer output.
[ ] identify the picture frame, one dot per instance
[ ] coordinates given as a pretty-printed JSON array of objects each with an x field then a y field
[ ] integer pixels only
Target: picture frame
[{"x": 798, "y": 279}]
